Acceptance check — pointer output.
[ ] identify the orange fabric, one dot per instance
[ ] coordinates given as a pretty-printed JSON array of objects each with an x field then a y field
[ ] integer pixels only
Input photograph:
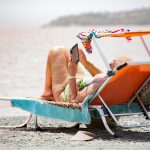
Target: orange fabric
[
  {"x": 124, "y": 84},
  {"x": 126, "y": 34}
]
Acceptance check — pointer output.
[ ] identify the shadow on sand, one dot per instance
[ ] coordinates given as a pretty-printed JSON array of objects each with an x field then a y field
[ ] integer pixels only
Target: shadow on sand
[{"x": 124, "y": 135}]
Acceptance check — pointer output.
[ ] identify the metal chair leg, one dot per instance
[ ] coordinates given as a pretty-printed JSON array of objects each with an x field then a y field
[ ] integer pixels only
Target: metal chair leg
[
  {"x": 37, "y": 128},
  {"x": 23, "y": 125},
  {"x": 115, "y": 120},
  {"x": 102, "y": 115},
  {"x": 143, "y": 107}
]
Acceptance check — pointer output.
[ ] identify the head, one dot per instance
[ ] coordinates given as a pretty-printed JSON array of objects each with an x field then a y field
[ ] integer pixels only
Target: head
[{"x": 120, "y": 60}]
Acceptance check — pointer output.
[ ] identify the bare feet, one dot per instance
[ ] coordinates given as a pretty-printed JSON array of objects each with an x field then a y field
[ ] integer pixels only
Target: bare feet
[{"x": 47, "y": 95}]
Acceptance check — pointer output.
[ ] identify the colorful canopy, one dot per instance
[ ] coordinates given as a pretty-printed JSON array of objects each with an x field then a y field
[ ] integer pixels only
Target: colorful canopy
[{"x": 86, "y": 37}]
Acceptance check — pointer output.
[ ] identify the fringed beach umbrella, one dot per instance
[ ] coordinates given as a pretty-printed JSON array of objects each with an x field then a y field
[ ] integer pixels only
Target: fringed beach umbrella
[{"x": 86, "y": 37}]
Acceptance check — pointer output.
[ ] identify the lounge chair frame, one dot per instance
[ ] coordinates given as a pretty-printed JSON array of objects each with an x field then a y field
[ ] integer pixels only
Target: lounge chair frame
[
  {"x": 104, "y": 111},
  {"x": 103, "y": 114}
]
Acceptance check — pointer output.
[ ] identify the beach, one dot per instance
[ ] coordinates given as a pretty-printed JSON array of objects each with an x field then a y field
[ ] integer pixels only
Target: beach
[
  {"x": 23, "y": 53},
  {"x": 57, "y": 134}
]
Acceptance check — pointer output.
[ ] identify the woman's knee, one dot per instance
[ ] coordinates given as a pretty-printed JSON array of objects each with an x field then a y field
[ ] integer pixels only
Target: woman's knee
[
  {"x": 59, "y": 52},
  {"x": 56, "y": 51}
]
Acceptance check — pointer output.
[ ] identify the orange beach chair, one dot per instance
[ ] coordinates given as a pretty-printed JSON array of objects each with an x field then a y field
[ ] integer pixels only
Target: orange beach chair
[{"x": 120, "y": 94}]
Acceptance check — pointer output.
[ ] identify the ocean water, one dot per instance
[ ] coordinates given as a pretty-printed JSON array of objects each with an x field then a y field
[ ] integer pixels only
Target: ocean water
[{"x": 23, "y": 54}]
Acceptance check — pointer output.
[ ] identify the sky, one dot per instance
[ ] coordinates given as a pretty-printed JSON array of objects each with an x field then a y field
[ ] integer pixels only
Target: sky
[{"x": 38, "y": 12}]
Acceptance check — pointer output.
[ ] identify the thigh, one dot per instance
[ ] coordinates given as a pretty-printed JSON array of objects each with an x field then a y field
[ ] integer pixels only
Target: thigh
[{"x": 59, "y": 71}]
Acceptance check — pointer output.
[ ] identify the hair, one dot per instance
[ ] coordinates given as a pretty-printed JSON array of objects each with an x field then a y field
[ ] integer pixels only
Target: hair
[
  {"x": 120, "y": 60},
  {"x": 123, "y": 59}
]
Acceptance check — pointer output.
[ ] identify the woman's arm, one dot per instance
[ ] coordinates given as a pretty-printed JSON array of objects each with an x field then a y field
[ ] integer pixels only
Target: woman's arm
[
  {"x": 74, "y": 94},
  {"x": 72, "y": 70},
  {"x": 93, "y": 70},
  {"x": 95, "y": 84}
]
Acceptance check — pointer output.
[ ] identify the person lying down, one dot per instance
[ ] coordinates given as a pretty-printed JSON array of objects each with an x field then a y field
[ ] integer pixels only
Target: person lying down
[{"x": 66, "y": 81}]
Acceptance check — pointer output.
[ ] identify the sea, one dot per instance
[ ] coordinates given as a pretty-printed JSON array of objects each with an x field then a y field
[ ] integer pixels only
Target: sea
[{"x": 23, "y": 56}]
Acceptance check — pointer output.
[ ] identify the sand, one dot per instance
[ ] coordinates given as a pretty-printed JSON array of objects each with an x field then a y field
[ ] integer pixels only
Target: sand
[{"x": 57, "y": 134}]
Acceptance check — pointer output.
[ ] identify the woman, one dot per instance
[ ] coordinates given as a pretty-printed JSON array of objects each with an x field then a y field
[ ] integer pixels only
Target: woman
[{"x": 65, "y": 80}]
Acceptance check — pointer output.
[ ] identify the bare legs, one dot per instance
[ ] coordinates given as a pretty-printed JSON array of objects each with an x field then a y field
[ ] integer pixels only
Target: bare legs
[
  {"x": 47, "y": 94},
  {"x": 57, "y": 73}
]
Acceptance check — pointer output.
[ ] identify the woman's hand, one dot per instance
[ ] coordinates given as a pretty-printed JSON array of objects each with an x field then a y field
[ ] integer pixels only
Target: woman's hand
[{"x": 82, "y": 56}]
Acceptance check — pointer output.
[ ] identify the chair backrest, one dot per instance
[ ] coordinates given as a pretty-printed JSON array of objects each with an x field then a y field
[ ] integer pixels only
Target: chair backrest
[{"x": 124, "y": 84}]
